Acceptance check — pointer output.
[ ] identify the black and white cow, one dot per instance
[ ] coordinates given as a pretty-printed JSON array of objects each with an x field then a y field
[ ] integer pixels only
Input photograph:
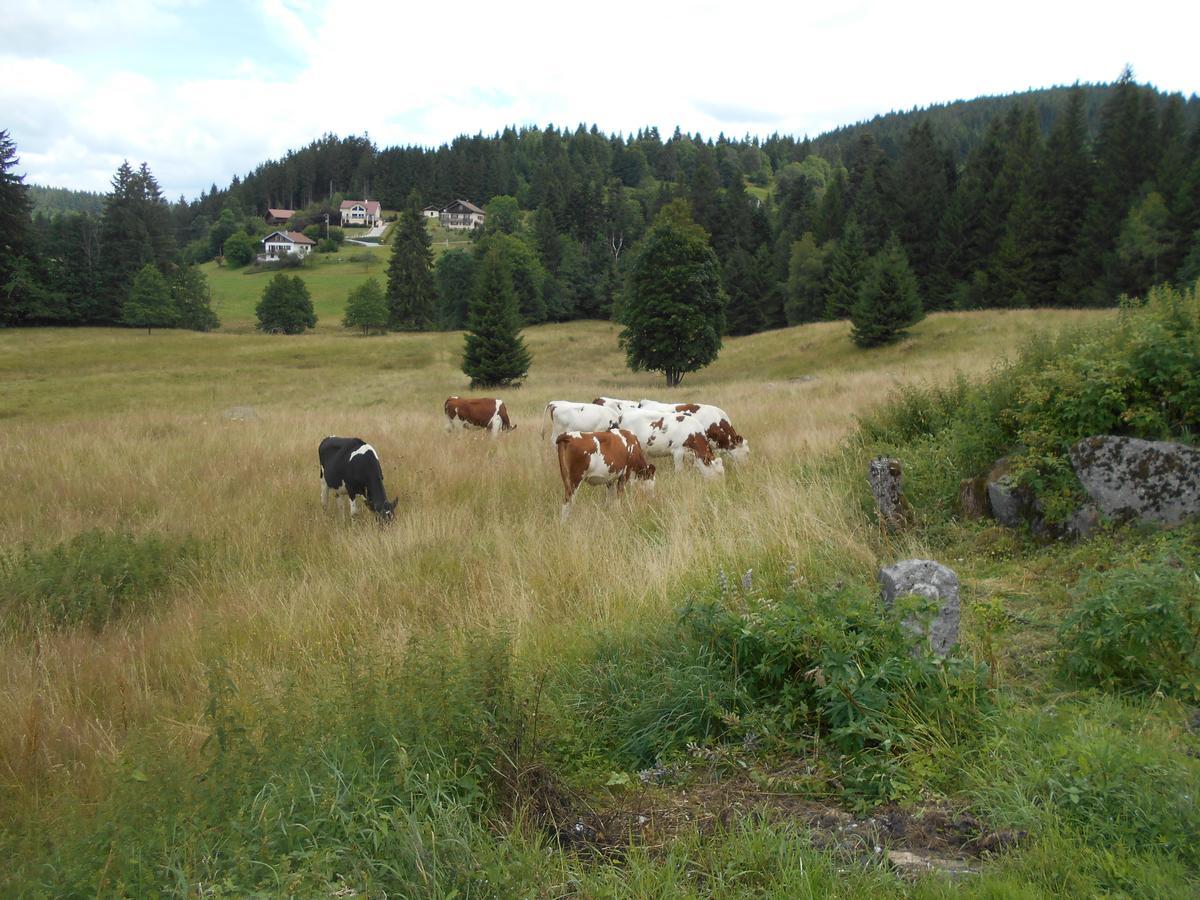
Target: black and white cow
[{"x": 350, "y": 467}]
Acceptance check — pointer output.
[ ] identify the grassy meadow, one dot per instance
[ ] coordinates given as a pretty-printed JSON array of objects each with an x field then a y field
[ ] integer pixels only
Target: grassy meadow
[{"x": 269, "y": 623}]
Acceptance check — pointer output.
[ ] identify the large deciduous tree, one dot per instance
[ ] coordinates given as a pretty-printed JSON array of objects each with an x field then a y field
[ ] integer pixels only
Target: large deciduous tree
[
  {"x": 674, "y": 314},
  {"x": 494, "y": 353},
  {"x": 285, "y": 306}
]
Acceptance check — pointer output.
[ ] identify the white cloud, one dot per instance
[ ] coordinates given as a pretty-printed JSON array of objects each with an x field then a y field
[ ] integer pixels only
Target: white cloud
[{"x": 439, "y": 70}]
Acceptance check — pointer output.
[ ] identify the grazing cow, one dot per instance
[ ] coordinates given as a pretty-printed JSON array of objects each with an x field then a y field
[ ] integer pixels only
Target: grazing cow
[
  {"x": 718, "y": 428},
  {"x": 613, "y": 403},
  {"x": 350, "y": 467},
  {"x": 677, "y": 435},
  {"x": 567, "y": 416},
  {"x": 600, "y": 457},
  {"x": 477, "y": 412}
]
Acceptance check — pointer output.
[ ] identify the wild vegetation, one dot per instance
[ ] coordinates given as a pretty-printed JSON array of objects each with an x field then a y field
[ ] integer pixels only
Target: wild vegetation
[{"x": 258, "y": 697}]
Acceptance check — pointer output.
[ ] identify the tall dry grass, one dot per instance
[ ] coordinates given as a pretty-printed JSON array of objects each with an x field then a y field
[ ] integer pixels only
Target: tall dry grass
[{"x": 286, "y": 590}]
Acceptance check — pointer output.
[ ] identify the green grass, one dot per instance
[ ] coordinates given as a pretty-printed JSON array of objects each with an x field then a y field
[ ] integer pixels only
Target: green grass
[{"x": 322, "y": 707}]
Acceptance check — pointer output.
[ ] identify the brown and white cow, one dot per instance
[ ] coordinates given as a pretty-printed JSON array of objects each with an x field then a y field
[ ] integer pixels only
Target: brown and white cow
[
  {"x": 677, "y": 435},
  {"x": 477, "y": 412},
  {"x": 614, "y": 403},
  {"x": 718, "y": 427},
  {"x": 610, "y": 458}
]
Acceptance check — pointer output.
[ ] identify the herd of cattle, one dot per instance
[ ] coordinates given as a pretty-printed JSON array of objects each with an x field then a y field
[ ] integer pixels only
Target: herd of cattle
[{"x": 607, "y": 441}]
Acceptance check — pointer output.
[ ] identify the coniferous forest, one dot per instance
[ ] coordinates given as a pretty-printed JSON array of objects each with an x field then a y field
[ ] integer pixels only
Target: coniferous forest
[{"x": 1060, "y": 197}]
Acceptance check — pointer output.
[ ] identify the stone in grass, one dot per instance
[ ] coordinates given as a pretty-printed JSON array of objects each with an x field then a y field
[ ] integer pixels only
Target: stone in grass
[
  {"x": 886, "y": 478},
  {"x": 1132, "y": 479},
  {"x": 935, "y": 582}
]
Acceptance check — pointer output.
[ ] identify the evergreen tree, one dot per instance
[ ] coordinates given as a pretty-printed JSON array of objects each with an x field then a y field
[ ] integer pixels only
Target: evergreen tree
[
  {"x": 1065, "y": 187},
  {"x": 454, "y": 273},
  {"x": 125, "y": 246},
  {"x": 1143, "y": 240},
  {"x": 847, "y": 267},
  {"x": 546, "y": 240},
  {"x": 831, "y": 213},
  {"x": 674, "y": 314},
  {"x": 746, "y": 291},
  {"x": 923, "y": 186},
  {"x": 528, "y": 276},
  {"x": 410, "y": 290},
  {"x": 888, "y": 303},
  {"x": 149, "y": 304},
  {"x": 15, "y": 275},
  {"x": 193, "y": 300},
  {"x": 494, "y": 353},
  {"x": 806, "y": 281},
  {"x": 285, "y": 306},
  {"x": 366, "y": 308}
]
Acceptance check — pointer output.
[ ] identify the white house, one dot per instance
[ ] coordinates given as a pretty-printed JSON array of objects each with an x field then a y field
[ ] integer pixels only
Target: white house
[
  {"x": 431, "y": 212},
  {"x": 280, "y": 243},
  {"x": 361, "y": 212},
  {"x": 461, "y": 214}
]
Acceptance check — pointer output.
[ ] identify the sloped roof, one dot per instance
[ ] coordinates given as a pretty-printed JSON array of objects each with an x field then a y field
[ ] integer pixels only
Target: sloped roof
[
  {"x": 294, "y": 237},
  {"x": 280, "y": 213},
  {"x": 372, "y": 206},
  {"x": 465, "y": 204}
]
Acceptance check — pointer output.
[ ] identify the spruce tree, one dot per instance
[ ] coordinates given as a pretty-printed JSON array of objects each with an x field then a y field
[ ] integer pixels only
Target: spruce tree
[
  {"x": 149, "y": 304},
  {"x": 847, "y": 267},
  {"x": 125, "y": 246},
  {"x": 888, "y": 302},
  {"x": 805, "y": 284},
  {"x": 674, "y": 313},
  {"x": 14, "y": 234},
  {"x": 366, "y": 308},
  {"x": 494, "y": 353},
  {"x": 455, "y": 276},
  {"x": 411, "y": 294}
]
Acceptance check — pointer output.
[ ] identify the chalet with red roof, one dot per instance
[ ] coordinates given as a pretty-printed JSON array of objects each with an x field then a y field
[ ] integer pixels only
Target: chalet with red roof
[
  {"x": 281, "y": 243},
  {"x": 279, "y": 216},
  {"x": 367, "y": 213}
]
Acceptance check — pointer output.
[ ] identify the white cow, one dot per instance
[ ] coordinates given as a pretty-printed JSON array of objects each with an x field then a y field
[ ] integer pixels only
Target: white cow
[
  {"x": 566, "y": 415},
  {"x": 614, "y": 403},
  {"x": 677, "y": 435},
  {"x": 717, "y": 425}
]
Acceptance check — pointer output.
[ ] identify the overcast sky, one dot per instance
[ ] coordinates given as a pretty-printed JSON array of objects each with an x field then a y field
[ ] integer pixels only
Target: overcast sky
[{"x": 203, "y": 90}]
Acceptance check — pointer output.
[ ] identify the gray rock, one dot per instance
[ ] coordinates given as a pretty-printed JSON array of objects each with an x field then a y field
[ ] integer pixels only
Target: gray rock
[
  {"x": 932, "y": 580},
  {"x": 887, "y": 484},
  {"x": 1129, "y": 478},
  {"x": 1012, "y": 505},
  {"x": 1083, "y": 522},
  {"x": 239, "y": 414}
]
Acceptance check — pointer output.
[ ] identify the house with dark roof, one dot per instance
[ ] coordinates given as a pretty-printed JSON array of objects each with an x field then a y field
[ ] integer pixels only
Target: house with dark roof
[
  {"x": 431, "y": 212},
  {"x": 281, "y": 243},
  {"x": 461, "y": 214},
  {"x": 366, "y": 213},
  {"x": 279, "y": 216}
]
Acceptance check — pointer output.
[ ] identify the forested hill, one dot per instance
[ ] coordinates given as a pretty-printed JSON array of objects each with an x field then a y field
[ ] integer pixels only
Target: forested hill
[
  {"x": 962, "y": 124},
  {"x": 1063, "y": 197},
  {"x": 49, "y": 201}
]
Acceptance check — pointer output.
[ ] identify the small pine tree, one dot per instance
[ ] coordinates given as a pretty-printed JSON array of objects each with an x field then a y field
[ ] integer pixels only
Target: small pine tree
[
  {"x": 847, "y": 266},
  {"x": 494, "y": 353},
  {"x": 149, "y": 304},
  {"x": 285, "y": 306},
  {"x": 888, "y": 302},
  {"x": 193, "y": 300},
  {"x": 366, "y": 308}
]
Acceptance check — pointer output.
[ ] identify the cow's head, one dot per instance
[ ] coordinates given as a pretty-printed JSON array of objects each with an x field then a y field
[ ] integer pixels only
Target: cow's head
[{"x": 388, "y": 512}]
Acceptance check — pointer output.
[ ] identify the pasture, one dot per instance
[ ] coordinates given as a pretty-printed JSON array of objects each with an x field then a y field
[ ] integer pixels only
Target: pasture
[{"x": 115, "y": 430}]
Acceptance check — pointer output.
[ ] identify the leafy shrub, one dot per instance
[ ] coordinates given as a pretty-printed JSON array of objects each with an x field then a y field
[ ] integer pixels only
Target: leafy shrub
[
  {"x": 327, "y": 245},
  {"x": 830, "y": 663},
  {"x": 90, "y": 580},
  {"x": 1137, "y": 628},
  {"x": 1136, "y": 375}
]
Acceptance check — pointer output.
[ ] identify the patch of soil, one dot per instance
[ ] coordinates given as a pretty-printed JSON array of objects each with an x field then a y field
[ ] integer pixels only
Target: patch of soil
[{"x": 915, "y": 840}]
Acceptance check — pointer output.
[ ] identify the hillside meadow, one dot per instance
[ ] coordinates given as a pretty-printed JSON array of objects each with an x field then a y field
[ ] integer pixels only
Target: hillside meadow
[{"x": 272, "y": 603}]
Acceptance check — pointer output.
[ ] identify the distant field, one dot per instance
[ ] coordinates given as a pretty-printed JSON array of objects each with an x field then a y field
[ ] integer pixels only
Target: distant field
[{"x": 330, "y": 278}]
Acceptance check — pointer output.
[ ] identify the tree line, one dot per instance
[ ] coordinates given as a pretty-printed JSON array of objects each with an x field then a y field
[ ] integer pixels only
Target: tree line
[{"x": 1068, "y": 197}]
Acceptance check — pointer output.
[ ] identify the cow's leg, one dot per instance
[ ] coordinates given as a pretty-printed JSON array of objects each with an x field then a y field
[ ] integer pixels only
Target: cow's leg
[
  {"x": 324, "y": 495},
  {"x": 678, "y": 454},
  {"x": 353, "y": 508},
  {"x": 449, "y": 425},
  {"x": 570, "y": 499},
  {"x": 494, "y": 426}
]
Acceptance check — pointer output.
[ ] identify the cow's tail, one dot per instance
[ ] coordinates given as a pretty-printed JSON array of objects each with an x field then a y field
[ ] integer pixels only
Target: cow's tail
[{"x": 549, "y": 411}]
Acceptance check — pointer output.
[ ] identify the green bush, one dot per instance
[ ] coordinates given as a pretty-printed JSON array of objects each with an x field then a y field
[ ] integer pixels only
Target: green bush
[
  {"x": 1136, "y": 375},
  {"x": 830, "y": 663},
  {"x": 1137, "y": 628},
  {"x": 90, "y": 580}
]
